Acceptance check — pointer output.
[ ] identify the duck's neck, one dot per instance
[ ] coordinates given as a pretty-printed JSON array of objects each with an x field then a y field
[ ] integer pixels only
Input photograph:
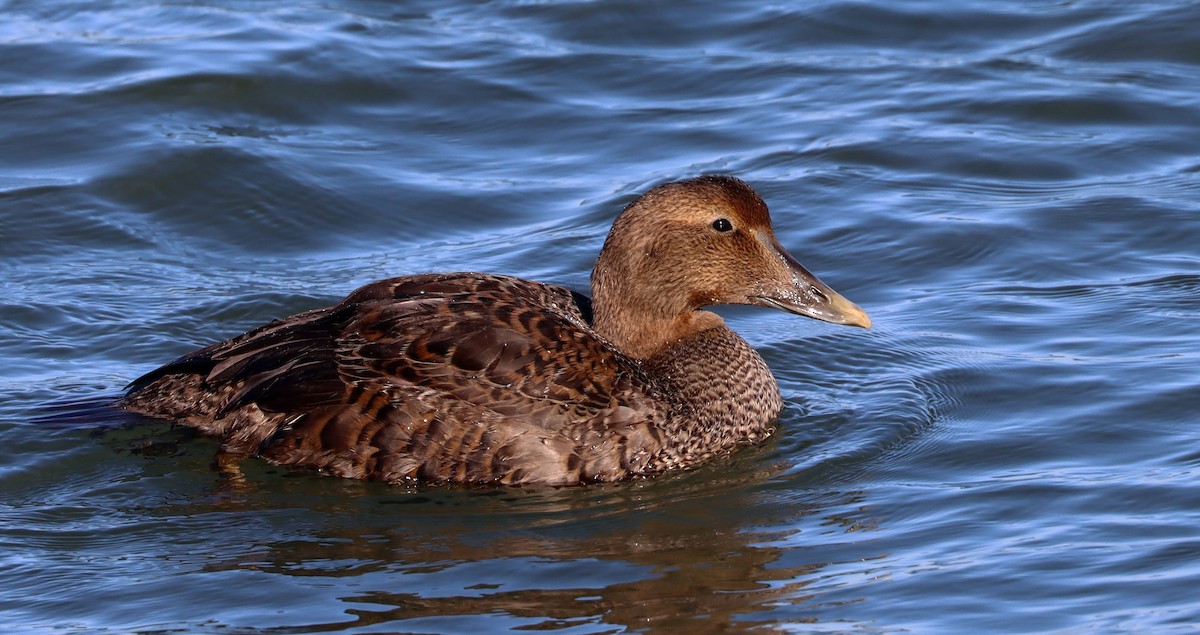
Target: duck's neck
[
  {"x": 644, "y": 335},
  {"x": 641, "y": 320}
]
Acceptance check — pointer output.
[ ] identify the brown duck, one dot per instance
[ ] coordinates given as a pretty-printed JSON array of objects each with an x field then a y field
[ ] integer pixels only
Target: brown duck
[{"x": 477, "y": 378}]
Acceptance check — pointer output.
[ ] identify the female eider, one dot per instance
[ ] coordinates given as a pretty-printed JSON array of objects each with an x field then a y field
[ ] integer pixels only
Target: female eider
[{"x": 488, "y": 379}]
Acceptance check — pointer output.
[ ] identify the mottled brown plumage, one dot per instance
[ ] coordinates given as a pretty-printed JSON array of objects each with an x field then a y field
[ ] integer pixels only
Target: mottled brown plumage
[{"x": 476, "y": 378}]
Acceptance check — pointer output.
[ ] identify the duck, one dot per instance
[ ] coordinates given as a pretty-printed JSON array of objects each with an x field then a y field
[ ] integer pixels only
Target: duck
[{"x": 487, "y": 379}]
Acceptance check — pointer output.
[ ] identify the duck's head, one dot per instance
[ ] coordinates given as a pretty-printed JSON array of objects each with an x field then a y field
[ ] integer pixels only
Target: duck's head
[{"x": 690, "y": 244}]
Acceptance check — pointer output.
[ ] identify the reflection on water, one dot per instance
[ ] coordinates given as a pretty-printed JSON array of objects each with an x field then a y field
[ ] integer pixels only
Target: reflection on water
[{"x": 557, "y": 561}]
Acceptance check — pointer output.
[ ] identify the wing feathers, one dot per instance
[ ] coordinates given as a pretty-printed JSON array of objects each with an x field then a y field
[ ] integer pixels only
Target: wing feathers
[{"x": 463, "y": 378}]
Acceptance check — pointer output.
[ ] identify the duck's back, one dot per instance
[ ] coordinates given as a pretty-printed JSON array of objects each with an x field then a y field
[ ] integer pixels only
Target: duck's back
[{"x": 466, "y": 378}]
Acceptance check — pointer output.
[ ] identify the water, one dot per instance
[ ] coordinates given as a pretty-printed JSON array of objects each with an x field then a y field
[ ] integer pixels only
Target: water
[{"x": 1011, "y": 190}]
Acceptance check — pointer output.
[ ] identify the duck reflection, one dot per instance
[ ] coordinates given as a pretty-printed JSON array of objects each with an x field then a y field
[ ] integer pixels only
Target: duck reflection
[{"x": 701, "y": 553}]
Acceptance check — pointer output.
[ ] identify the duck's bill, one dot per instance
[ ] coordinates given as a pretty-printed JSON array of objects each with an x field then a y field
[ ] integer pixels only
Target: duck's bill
[
  {"x": 828, "y": 306},
  {"x": 805, "y": 295}
]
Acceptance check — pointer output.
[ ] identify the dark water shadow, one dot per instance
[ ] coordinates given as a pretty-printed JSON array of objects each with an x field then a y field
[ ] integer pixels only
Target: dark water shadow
[{"x": 661, "y": 557}]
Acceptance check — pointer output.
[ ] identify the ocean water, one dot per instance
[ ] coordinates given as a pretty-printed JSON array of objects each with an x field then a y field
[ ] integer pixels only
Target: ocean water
[{"x": 1011, "y": 189}]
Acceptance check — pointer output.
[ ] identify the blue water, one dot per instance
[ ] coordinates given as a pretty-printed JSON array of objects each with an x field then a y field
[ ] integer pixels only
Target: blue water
[{"x": 1011, "y": 189}]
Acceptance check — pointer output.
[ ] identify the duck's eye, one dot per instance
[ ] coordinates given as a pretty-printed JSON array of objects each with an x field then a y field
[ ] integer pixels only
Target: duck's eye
[{"x": 722, "y": 225}]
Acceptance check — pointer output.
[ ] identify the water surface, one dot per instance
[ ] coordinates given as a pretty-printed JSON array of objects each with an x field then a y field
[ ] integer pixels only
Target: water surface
[{"x": 1011, "y": 190}]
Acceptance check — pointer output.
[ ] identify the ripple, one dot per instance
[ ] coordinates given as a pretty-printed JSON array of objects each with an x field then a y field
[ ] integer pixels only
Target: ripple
[
  {"x": 1008, "y": 188},
  {"x": 1157, "y": 35}
]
